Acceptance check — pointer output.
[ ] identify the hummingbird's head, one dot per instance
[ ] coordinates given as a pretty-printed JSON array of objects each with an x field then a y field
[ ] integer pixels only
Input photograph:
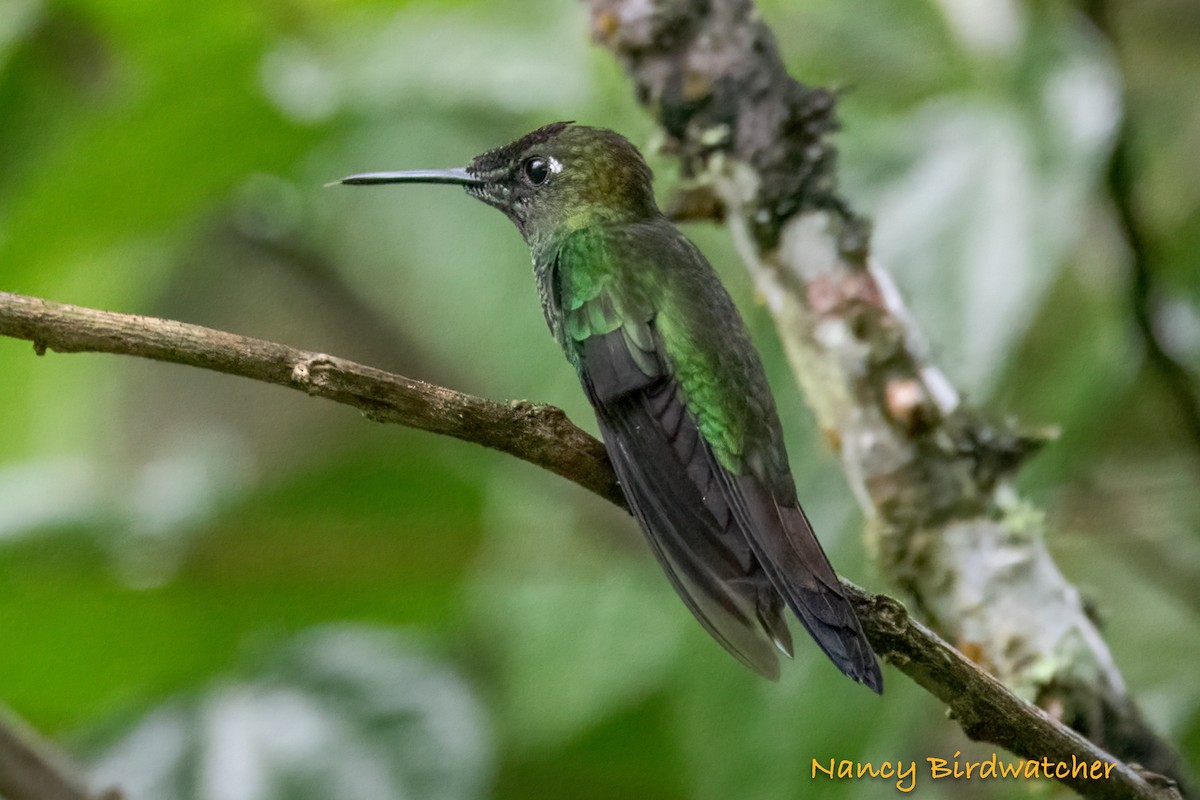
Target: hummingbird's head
[
  {"x": 562, "y": 177},
  {"x": 558, "y": 178}
]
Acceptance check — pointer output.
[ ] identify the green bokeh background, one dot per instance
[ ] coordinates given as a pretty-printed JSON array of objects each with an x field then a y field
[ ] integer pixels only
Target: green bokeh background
[{"x": 180, "y": 548}]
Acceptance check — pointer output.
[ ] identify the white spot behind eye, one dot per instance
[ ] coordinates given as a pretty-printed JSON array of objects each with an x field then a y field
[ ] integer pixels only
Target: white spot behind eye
[{"x": 555, "y": 165}]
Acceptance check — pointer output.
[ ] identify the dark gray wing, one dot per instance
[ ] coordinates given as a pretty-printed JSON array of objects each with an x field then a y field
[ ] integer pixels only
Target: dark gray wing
[{"x": 667, "y": 475}]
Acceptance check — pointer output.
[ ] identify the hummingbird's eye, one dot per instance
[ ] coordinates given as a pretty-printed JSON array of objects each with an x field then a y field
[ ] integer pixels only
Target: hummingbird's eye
[{"x": 536, "y": 170}]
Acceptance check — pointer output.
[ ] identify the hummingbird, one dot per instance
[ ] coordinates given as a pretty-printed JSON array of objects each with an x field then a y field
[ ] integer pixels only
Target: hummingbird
[{"x": 679, "y": 391}]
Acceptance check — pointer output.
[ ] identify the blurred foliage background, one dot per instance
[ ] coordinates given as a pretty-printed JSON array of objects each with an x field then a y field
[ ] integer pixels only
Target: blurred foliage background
[{"x": 213, "y": 588}]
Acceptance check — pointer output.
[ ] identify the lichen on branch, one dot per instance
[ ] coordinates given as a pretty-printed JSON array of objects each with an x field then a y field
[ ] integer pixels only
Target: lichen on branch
[{"x": 934, "y": 477}]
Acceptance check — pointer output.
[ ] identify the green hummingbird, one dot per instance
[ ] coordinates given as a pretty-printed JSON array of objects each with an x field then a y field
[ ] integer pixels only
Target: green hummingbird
[{"x": 679, "y": 391}]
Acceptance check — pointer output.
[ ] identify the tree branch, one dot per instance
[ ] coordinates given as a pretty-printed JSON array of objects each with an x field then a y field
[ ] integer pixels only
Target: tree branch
[
  {"x": 934, "y": 478},
  {"x": 543, "y": 436},
  {"x": 540, "y": 434},
  {"x": 30, "y": 769},
  {"x": 1144, "y": 289}
]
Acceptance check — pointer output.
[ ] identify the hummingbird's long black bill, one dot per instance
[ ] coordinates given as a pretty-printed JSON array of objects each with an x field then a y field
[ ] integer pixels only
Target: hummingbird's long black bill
[{"x": 458, "y": 176}]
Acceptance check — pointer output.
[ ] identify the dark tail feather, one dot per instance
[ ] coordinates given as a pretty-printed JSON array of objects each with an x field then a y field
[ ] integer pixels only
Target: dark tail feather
[
  {"x": 771, "y": 617},
  {"x": 815, "y": 594},
  {"x": 792, "y": 557}
]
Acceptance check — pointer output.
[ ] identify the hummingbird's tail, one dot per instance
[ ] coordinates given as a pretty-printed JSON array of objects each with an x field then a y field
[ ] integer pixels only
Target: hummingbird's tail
[
  {"x": 793, "y": 559},
  {"x": 815, "y": 595}
]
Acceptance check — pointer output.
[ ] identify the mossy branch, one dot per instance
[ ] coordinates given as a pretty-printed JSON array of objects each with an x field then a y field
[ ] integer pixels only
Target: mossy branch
[{"x": 934, "y": 477}]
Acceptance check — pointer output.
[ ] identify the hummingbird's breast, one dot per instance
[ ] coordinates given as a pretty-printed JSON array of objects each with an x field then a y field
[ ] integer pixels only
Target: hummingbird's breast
[{"x": 545, "y": 273}]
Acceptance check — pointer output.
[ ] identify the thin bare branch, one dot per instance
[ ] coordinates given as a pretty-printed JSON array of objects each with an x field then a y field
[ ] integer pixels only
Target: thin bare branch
[
  {"x": 1144, "y": 289},
  {"x": 540, "y": 434},
  {"x": 32, "y": 769},
  {"x": 543, "y": 436}
]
